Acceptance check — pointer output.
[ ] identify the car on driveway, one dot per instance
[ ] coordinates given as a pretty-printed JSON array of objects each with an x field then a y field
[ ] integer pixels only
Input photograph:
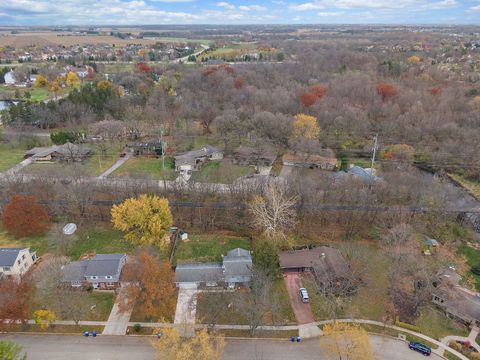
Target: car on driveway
[
  {"x": 421, "y": 348},
  {"x": 304, "y": 295}
]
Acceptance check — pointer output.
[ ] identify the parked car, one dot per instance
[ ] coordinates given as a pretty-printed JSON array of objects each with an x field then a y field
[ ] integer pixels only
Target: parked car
[
  {"x": 421, "y": 348},
  {"x": 304, "y": 295}
]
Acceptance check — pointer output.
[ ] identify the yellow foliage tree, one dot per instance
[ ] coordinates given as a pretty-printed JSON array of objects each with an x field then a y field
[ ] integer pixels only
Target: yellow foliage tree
[
  {"x": 104, "y": 85},
  {"x": 413, "y": 60},
  {"x": 204, "y": 346},
  {"x": 145, "y": 220},
  {"x": 476, "y": 101},
  {"x": 41, "y": 81},
  {"x": 44, "y": 318},
  {"x": 305, "y": 126},
  {"x": 72, "y": 80},
  {"x": 344, "y": 341}
]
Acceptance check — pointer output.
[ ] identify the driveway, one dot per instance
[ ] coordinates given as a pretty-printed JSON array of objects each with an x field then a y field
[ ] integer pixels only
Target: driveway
[
  {"x": 186, "y": 310},
  {"x": 118, "y": 321},
  {"x": 77, "y": 347},
  {"x": 303, "y": 312},
  {"x": 115, "y": 166}
]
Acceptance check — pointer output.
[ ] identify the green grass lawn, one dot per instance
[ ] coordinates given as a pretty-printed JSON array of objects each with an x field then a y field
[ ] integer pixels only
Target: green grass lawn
[
  {"x": 473, "y": 257},
  {"x": 100, "y": 240},
  {"x": 37, "y": 243},
  {"x": 12, "y": 154},
  {"x": 39, "y": 94},
  {"x": 207, "y": 248},
  {"x": 434, "y": 323},
  {"x": 221, "y": 171},
  {"x": 472, "y": 187},
  {"x": 6, "y": 90},
  {"x": 103, "y": 302},
  {"x": 143, "y": 167}
]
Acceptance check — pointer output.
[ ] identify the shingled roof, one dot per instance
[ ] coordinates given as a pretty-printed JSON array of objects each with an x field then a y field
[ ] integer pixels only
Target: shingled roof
[{"x": 8, "y": 256}]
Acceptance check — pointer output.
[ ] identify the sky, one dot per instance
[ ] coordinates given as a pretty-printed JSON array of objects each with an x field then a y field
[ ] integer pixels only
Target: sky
[{"x": 143, "y": 12}]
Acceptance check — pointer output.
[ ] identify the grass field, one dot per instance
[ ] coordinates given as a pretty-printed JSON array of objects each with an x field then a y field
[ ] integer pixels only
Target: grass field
[
  {"x": 151, "y": 168},
  {"x": 472, "y": 187},
  {"x": 37, "y": 243},
  {"x": 206, "y": 248},
  {"x": 229, "y": 51},
  {"x": 473, "y": 257},
  {"x": 221, "y": 171},
  {"x": 100, "y": 240},
  {"x": 12, "y": 154},
  {"x": 434, "y": 323},
  {"x": 39, "y": 94}
]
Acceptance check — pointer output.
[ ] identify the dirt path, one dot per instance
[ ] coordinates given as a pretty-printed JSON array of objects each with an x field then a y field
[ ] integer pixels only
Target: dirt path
[{"x": 303, "y": 312}]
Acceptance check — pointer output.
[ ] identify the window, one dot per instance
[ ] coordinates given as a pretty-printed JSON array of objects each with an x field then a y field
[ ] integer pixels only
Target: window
[
  {"x": 108, "y": 277},
  {"x": 23, "y": 257},
  {"x": 18, "y": 261},
  {"x": 7, "y": 268},
  {"x": 94, "y": 277}
]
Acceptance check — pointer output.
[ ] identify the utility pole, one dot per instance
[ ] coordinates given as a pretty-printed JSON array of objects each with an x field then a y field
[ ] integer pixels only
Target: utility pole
[
  {"x": 375, "y": 148},
  {"x": 163, "y": 148}
]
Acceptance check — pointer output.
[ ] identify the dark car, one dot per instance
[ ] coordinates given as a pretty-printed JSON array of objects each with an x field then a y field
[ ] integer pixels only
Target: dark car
[{"x": 421, "y": 348}]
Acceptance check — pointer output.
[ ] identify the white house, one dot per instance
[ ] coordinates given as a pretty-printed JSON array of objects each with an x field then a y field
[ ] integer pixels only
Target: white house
[
  {"x": 10, "y": 78},
  {"x": 14, "y": 262}
]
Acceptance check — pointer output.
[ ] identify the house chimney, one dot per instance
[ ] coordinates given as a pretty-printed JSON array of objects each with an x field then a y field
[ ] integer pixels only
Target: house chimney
[{"x": 322, "y": 256}]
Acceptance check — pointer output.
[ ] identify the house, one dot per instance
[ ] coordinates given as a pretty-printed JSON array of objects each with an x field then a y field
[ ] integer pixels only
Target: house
[
  {"x": 10, "y": 78},
  {"x": 153, "y": 148},
  {"x": 193, "y": 160},
  {"x": 67, "y": 152},
  {"x": 326, "y": 264},
  {"x": 235, "y": 269},
  {"x": 101, "y": 272},
  {"x": 457, "y": 303},
  {"x": 253, "y": 156},
  {"x": 309, "y": 161},
  {"x": 365, "y": 175},
  {"x": 14, "y": 262}
]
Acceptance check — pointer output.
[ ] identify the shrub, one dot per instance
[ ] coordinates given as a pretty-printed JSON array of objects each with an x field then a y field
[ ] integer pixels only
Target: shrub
[
  {"x": 475, "y": 269},
  {"x": 137, "y": 327}
]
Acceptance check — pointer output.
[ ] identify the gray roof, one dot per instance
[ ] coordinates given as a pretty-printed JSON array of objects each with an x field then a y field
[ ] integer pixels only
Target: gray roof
[
  {"x": 199, "y": 272},
  {"x": 8, "y": 256},
  {"x": 66, "y": 149},
  {"x": 190, "y": 156},
  {"x": 75, "y": 271},
  {"x": 429, "y": 241},
  {"x": 104, "y": 265},
  {"x": 238, "y": 252},
  {"x": 238, "y": 265}
]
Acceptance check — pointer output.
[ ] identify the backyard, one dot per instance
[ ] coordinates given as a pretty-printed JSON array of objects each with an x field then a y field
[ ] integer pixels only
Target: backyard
[
  {"x": 208, "y": 247},
  {"x": 144, "y": 167},
  {"x": 37, "y": 243},
  {"x": 221, "y": 171},
  {"x": 473, "y": 258}
]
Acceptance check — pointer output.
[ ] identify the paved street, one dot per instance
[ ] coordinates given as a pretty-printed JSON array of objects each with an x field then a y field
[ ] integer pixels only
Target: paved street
[{"x": 60, "y": 347}]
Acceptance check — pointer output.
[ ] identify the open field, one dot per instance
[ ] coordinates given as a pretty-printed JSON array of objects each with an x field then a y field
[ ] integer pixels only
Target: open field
[
  {"x": 12, "y": 154},
  {"x": 37, "y": 243},
  {"x": 208, "y": 247},
  {"x": 57, "y": 38},
  {"x": 221, "y": 171},
  {"x": 229, "y": 51},
  {"x": 150, "y": 168}
]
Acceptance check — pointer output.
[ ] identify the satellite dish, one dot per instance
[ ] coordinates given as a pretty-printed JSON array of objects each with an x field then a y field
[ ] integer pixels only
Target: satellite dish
[{"x": 69, "y": 229}]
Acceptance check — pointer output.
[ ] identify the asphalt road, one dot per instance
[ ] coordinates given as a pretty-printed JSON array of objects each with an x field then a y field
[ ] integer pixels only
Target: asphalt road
[{"x": 60, "y": 347}]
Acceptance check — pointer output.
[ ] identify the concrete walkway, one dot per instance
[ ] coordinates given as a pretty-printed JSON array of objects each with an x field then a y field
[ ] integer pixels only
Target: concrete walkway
[
  {"x": 186, "y": 311},
  {"x": 118, "y": 321},
  {"x": 15, "y": 169},
  {"x": 471, "y": 338},
  {"x": 115, "y": 166}
]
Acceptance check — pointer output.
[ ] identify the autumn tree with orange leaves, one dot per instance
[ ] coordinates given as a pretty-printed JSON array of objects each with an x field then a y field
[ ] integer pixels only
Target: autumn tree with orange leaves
[
  {"x": 15, "y": 300},
  {"x": 386, "y": 91},
  {"x": 152, "y": 287},
  {"x": 315, "y": 93},
  {"x": 23, "y": 216}
]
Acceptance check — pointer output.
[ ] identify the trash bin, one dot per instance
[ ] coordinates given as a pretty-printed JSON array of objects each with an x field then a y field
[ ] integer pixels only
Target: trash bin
[
  {"x": 298, "y": 339},
  {"x": 86, "y": 333},
  {"x": 94, "y": 334},
  {"x": 293, "y": 338}
]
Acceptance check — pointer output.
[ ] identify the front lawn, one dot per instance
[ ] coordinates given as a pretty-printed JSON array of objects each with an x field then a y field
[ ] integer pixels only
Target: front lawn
[
  {"x": 100, "y": 240},
  {"x": 473, "y": 258},
  {"x": 434, "y": 323},
  {"x": 208, "y": 247},
  {"x": 103, "y": 302},
  {"x": 37, "y": 243},
  {"x": 144, "y": 167},
  {"x": 221, "y": 171},
  {"x": 12, "y": 154},
  {"x": 39, "y": 94}
]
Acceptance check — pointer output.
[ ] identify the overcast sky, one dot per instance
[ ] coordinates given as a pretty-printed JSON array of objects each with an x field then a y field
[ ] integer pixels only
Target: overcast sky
[{"x": 82, "y": 12}]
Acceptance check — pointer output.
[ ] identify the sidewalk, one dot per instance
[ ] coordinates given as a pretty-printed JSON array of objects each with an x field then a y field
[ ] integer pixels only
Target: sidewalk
[{"x": 471, "y": 338}]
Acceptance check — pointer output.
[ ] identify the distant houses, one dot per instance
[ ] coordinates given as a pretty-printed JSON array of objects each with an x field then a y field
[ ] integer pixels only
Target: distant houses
[
  {"x": 310, "y": 161},
  {"x": 15, "y": 262},
  {"x": 193, "y": 160},
  {"x": 263, "y": 156},
  {"x": 150, "y": 148},
  {"x": 100, "y": 272},
  {"x": 67, "y": 152},
  {"x": 234, "y": 270}
]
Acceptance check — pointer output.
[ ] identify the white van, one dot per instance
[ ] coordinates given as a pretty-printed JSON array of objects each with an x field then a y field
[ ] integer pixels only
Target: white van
[{"x": 304, "y": 295}]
